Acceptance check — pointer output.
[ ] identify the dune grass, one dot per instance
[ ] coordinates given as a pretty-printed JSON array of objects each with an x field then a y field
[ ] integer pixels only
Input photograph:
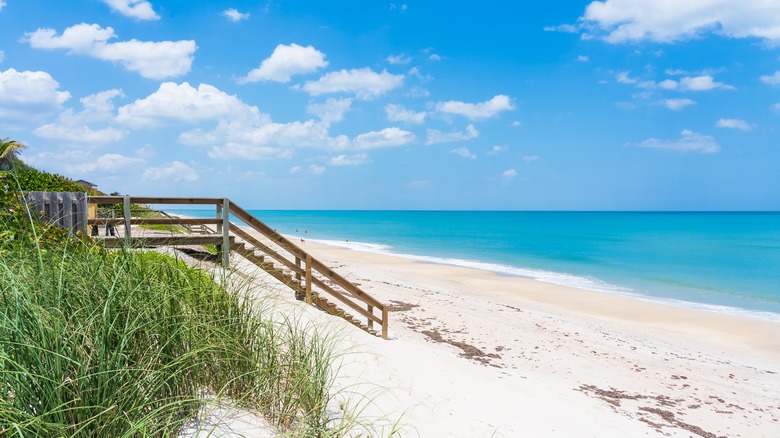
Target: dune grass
[{"x": 99, "y": 343}]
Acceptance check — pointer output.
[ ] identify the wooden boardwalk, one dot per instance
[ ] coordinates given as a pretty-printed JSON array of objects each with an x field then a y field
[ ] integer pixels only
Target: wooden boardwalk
[{"x": 311, "y": 280}]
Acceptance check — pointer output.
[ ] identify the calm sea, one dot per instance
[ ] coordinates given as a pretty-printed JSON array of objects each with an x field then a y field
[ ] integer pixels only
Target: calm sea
[{"x": 725, "y": 262}]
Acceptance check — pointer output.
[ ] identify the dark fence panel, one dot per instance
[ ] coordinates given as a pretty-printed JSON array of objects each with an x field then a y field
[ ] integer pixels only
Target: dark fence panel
[{"x": 66, "y": 209}]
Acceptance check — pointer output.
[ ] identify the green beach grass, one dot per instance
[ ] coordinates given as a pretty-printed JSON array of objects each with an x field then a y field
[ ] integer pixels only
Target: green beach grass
[{"x": 134, "y": 343}]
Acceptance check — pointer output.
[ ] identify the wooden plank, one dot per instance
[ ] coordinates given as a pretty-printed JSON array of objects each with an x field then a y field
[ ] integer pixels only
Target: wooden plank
[
  {"x": 155, "y": 221},
  {"x": 139, "y": 242},
  {"x": 267, "y": 250},
  {"x": 66, "y": 207},
  {"x": 81, "y": 213},
  {"x": 225, "y": 233},
  {"x": 344, "y": 299},
  {"x": 151, "y": 200}
]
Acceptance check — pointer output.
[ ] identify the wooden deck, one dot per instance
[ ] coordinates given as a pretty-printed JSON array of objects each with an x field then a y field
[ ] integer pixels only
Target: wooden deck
[{"x": 310, "y": 279}]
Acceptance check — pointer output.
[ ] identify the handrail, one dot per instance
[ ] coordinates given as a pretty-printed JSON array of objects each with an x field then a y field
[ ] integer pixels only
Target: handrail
[{"x": 224, "y": 209}]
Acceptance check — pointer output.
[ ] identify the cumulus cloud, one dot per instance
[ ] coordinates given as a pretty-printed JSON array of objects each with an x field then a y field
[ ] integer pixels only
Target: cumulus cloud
[
  {"x": 285, "y": 62},
  {"x": 233, "y": 15},
  {"x": 397, "y": 113},
  {"x": 364, "y": 83},
  {"x": 697, "y": 83},
  {"x": 464, "y": 153},
  {"x": 677, "y": 104},
  {"x": 29, "y": 95},
  {"x": 182, "y": 102},
  {"x": 688, "y": 142},
  {"x": 773, "y": 79},
  {"x": 475, "y": 111},
  {"x": 583, "y": 58},
  {"x": 138, "y": 9},
  {"x": 349, "y": 160},
  {"x": 107, "y": 163},
  {"x": 734, "y": 124},
  {"x": 495, "y": 150},
  {"x": 385, "y": 138},
  {"x": 530, "y": 158},
  {"x": 434, "y": 136},
  {"x": 174, "y": 171},
  {"x": 399, "y": 59},
  {"x": 72, "y": 126},
  {"x": 78, "y": 134},
  {"x": 509, "y": 174},
  {"x": 332, "y": 110},
  {"x": 153, "y": 60},
  {"x": 619, "y": 21},
  {"x": 2, "y": 4}
]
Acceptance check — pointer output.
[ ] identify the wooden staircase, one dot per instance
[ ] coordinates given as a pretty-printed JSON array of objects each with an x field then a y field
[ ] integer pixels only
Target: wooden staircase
[{"x": 311, "y": 280}]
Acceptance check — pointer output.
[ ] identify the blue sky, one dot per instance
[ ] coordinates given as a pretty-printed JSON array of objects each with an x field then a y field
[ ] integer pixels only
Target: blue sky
[{"x": 507, "y": 105}]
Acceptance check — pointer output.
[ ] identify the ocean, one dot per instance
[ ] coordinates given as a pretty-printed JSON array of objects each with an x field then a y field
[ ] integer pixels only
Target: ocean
[{"x": 719, "y": 261}]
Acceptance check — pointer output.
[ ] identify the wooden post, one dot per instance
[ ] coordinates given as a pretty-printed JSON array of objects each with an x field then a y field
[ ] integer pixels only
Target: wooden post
[
  {"x": 370, "y": 309},
  {"x": 308, "y": 278},
  {"x": 385, "y": 322},
  {"x": 127, "y": 221},
  {"x": 226, "y": 232},
  {"x": 298, "y": 264}
]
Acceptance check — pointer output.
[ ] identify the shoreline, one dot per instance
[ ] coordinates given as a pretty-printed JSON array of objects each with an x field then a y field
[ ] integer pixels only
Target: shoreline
[{"x": 590, "y": 284}]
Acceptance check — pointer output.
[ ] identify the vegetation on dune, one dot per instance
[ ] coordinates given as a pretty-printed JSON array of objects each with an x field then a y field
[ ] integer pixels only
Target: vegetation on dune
[{"x": 130, "y": 343}]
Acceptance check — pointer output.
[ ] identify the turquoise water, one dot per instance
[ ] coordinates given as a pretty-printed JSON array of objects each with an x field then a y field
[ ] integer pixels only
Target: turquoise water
[{"x": 727, "y": 262}]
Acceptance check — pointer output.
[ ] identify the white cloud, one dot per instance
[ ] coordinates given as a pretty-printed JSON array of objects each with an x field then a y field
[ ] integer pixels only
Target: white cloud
[
  {"x": 182, "y": 102},
  {"x": 364, "y": 83},
  {"x": 29, "y": 96},
  {"x": 385, "y": 138},
  {"x": 78, "y": 134},
  {"x": 2, "y": 4},
  {"x": 435, "y": 136},
  {"x": 2, "y": 56},
  {"x": 435, "y": 57},
  {"x": 619, "y": 21},
  {"x": 771, "y": 79},
  {"x": 174, "y": 171},
  {"x": 332, "y": 110},
  {"x": 677, "y": 104},
  {"x": 566, "y": 28},
  {"x": 775, "y": 108},
  {"x": 316, "y": 170},
  {"x": 397, "y": 113},
  {"x": 530, "y": 158},
  {"x": 349, "y": 160},
  {"x": 517, "y": 123},
  {"x": 688, "y": 142},
  {"x": 697, "y": 83},
  {"x": 583, "y": 58},
  {"x": 285, "y": 62},
  {"x": 107, "y": 163},
  {"x": 624, "y": 78},
  {"x": 497, "y": 150},
  {"x": 399, "y": 59},
  {"x": 475, "y": 111},
  {"x": 243, "y": 151},
  {"x": 509, "y": 174},
  {"x": 464, "y": 153},
  {"x": 72, "y": 127},
  {"x": 233, "y": 15},
  {"x": 295, "y": 170},
  {"x": 138, "y": 9},
  {"x": 153, "y": 60},
  {"x": 417, "y": 92},
  {"x": 734, "y": 124}
]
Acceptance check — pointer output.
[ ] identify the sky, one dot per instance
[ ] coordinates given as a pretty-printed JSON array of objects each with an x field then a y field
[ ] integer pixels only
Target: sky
[{"x": 393, "y": 105}]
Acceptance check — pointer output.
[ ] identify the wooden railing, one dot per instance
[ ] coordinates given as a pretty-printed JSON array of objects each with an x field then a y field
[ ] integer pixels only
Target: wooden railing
[{"x": 319, "y": 283}]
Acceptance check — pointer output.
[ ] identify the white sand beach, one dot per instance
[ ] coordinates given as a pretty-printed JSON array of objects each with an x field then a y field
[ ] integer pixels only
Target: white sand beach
[{"x": 476, "y": 354}]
